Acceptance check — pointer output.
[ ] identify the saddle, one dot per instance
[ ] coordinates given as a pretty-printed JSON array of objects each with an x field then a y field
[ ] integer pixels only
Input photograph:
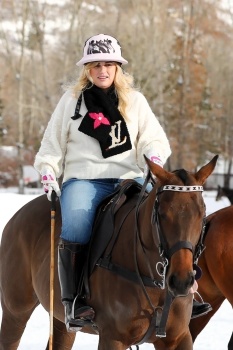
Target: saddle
[{"x": 105, "y": 232}]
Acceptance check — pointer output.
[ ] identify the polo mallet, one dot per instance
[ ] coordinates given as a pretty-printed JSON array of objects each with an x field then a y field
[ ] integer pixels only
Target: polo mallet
[{"x": 53, "y": 214}]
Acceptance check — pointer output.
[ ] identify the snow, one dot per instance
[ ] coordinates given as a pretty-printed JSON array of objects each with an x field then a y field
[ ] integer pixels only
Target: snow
[{"x": 215, "y": 336}]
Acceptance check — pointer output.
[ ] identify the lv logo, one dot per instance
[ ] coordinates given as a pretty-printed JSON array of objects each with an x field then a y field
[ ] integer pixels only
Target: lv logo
[{"x": 116, "y": 135}]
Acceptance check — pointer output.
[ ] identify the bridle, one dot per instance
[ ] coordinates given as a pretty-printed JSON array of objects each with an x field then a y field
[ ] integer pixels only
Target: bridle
[{"x": 164, "y": 251}]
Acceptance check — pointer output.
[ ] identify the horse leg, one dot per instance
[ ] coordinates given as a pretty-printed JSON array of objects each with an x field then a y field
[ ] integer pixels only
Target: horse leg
[
  {"x": 12, "y": 327},
  {"x": 106, "y": 344},
  {"x": 198, "y": 324},
  {"x": 184, "y": 343},
  {"x": 230, "y": 344},
  {"x": 62, "y": 340}
]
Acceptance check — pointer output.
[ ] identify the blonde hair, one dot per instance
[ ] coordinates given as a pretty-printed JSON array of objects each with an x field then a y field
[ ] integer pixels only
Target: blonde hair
[{"x": 123, "y": 83}]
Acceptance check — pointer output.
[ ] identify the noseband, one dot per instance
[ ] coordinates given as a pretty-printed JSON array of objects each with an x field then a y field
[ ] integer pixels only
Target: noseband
[{"x": 164, "y": 251}]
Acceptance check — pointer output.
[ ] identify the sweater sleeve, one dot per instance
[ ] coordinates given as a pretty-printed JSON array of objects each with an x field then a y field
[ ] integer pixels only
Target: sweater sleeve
[
  {"x": 53, "y": 145},
  {"x": 152, "y": 139}
]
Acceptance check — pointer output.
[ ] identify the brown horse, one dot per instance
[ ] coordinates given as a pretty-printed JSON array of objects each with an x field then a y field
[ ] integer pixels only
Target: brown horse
[
  {"x": 144, "y": 298},
  {"x": 216, "y": 262}
]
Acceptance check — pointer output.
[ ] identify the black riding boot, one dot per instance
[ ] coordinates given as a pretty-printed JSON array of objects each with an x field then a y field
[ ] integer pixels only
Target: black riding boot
[
  {"x": 200, "y": 309},
  {"x": 71, "y": 257}
]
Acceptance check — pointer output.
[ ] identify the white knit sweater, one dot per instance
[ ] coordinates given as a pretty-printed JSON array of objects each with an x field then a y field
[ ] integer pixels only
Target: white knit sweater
[{"x": 65, "y": 150}]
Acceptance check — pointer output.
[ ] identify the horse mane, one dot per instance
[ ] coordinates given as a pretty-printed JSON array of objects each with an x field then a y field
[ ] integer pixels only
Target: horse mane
[{"x": 182, "y": 174}]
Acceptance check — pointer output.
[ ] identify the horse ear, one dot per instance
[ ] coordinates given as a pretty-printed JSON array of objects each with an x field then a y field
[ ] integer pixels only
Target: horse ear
[
  {"x": 206, "y": 170},
  {"x": 157, "y": 170}
]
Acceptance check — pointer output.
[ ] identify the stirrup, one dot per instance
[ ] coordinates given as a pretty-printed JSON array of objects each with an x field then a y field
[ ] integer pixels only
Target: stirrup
[
  {"x": 76, "y": 324},
  {"x": 81, "y": 312},
  {"x": 72, "y": 327},
  {"x": 200, "y": 308},
  {"x": 70, "y": 324}
]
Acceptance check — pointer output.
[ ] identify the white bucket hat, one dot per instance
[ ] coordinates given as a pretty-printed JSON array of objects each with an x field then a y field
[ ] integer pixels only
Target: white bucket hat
[{"x": 103, "y": 48}]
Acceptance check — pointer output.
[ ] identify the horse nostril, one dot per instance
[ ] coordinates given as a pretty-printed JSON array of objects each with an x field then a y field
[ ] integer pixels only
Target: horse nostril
[
  {"x": 191, "y": 279},
  {"x": 180, "y": 286}
]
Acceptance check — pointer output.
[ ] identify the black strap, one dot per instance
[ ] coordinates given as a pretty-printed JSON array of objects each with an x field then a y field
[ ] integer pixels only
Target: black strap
[
  {"x": 151, "y": 329},
  {"x": 159, "y": 320},
  {"x": 77, "y": 108},
  {"x": 129, "y": 275},
  {"x": 161, "y": 328},
  {"x": 179, "y": 245}
]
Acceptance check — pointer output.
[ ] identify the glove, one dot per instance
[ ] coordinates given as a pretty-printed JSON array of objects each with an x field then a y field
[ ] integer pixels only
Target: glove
[
  {"x": 156, "y": 160},
  {"x": 50, "y": 184}
]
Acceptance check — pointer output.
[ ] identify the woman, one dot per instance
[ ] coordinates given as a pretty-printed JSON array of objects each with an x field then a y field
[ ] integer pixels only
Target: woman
[{"x": 96, "y": 137}]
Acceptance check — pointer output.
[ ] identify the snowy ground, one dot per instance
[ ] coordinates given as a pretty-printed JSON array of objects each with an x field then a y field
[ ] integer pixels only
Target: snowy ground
[{"x": 215, "y": 336}]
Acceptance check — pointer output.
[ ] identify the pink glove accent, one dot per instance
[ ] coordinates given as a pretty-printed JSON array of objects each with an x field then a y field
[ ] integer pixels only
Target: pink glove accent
[
  {"x": 50, "y": 184},
  {"x": 156, "y": 160},
  {"x": 46, "y": 180}
]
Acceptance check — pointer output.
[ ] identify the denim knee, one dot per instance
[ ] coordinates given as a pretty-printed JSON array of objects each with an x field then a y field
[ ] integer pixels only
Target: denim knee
[
  {"x": 78, "y": 227},
  {"x": 79, "y": 202}
]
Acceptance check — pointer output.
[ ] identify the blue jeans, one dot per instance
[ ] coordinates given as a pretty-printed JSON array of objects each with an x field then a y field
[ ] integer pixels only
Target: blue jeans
[{"x": 79, "y": 201}]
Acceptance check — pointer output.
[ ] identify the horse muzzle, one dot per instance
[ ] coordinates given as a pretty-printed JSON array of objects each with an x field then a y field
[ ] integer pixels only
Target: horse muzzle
[{"x": 180, "y": 286}]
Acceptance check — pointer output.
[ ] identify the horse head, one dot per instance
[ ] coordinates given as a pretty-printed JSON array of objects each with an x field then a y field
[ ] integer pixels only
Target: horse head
[{"x": 178, "y": 220}]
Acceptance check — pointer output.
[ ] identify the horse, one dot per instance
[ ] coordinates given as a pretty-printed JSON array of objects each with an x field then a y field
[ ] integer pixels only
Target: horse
[
  {"x": 142, "y": 294},
  {"x": 224, "y": 192},
  {"x": 216, "y": 261}
]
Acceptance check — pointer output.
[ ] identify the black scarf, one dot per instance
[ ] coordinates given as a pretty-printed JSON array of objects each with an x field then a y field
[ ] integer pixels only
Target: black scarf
[{"x": 103, "y": 121}]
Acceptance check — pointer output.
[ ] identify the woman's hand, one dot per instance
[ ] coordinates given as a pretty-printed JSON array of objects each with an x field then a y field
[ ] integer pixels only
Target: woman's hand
[
  {"x": 156, "y": 160},
  {"x": 50, "y": 184}
]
